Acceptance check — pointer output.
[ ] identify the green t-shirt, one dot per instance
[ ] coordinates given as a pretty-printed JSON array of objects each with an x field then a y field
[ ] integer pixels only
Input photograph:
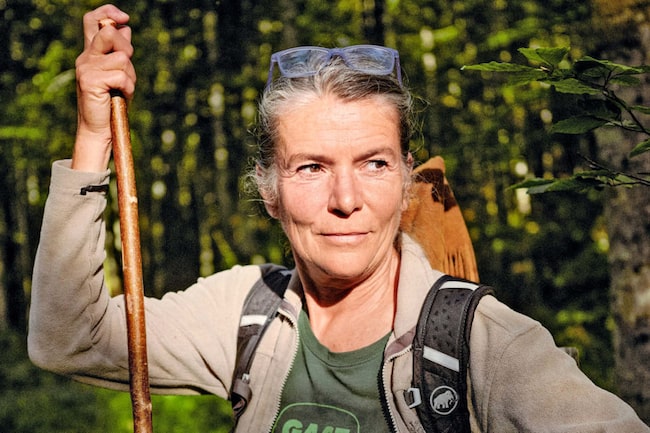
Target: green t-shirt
[{"x": 332, "y": 392}]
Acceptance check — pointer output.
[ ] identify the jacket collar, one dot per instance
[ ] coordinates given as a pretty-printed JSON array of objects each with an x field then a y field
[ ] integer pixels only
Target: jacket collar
[{"x": 415, "y": 279}]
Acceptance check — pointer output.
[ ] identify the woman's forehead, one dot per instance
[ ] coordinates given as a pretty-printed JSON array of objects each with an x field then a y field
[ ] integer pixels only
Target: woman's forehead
[
  {"x": 330, "y": 110},
  {"x": 327, "y": 122}
]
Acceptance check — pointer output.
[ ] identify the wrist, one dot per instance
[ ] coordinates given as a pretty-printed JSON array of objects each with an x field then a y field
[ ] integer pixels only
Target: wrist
[{"x": 92, "y": 151}]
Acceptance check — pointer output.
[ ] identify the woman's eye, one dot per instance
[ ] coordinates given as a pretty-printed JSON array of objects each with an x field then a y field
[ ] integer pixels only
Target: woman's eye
[
  {"x": 310, "y": 168},
  {"x": 377, "y": 164}
]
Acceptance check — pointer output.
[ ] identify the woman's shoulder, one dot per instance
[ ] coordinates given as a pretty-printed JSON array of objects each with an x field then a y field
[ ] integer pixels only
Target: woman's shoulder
[
  {"x": 239, "y": 277},
  {"x": 500, "y": 318}
]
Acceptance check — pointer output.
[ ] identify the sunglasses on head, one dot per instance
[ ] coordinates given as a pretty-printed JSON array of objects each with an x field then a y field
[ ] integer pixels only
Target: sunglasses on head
[{"x": 307, "y": 61}]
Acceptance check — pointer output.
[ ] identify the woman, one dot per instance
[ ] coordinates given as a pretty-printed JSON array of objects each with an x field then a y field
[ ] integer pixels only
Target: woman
[{"x": 334, "y": 169}]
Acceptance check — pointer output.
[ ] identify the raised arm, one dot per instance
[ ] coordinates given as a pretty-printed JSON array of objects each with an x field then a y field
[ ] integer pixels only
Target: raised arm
[{"x": 75, "y": 327}]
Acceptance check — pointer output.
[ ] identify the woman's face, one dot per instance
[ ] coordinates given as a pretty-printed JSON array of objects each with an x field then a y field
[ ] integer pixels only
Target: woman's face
[{"x": 340, "y": 186}]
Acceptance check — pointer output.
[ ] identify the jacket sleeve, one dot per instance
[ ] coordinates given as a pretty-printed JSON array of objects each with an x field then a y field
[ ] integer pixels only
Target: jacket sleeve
[
  {"x": 521, "y": 382},
  {"x": 77, "y": 329}
]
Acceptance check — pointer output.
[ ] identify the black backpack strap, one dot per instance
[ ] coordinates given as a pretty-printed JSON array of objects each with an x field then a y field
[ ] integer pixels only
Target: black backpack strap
[
  {"x": 260, "y": 307},
  {"x": 441, "y": 354}
]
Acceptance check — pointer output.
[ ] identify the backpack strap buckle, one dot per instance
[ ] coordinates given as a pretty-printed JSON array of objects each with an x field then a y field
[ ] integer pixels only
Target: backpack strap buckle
[{"x": 413, "y": 397}]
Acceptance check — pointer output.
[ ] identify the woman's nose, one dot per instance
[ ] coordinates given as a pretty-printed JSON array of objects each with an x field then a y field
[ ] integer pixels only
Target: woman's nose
[{"x": 345, "y": 195}]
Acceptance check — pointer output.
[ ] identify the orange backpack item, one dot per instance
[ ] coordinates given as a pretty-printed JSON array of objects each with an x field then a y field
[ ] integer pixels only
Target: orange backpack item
[{"x": 434, "y": 220}]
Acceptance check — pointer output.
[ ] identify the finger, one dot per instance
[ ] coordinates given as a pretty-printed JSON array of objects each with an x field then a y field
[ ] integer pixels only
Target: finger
[
  {"x": 96, "y": 76},
  {"x": 110, "y": 39},
  {"x": 123, "y": 30},
  {"x": 91, "y": 20},
  {"x": 121, "y": 74}
]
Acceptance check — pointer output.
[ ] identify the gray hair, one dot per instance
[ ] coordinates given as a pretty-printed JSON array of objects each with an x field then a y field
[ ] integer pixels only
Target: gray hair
[{"x": 335, "y": 79}]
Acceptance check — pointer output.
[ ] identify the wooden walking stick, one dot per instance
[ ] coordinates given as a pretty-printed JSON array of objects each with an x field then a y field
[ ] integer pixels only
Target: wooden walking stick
[{"x": 131, "y": 261}]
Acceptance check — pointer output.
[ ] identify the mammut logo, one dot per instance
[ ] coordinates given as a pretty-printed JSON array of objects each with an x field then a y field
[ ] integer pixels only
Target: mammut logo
[{"x": 443, "y": 400}]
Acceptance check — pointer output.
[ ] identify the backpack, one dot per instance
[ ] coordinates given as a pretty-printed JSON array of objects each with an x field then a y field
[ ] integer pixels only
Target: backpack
[{"x": 440, "y": 347}]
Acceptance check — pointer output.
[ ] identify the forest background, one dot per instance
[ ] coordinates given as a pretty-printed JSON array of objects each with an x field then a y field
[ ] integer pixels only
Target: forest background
[{"x": 201, "y": 67}]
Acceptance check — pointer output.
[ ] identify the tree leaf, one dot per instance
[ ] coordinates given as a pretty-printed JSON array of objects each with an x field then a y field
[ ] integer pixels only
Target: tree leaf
[
  {"x": 499, "y": 67},
  {"x": 532, "y": 182},
  {"x": 534, "y": 185},
  {"x": 626, "y": 80},
  {"x": 576, "y": 184},
  {"x": 590, "y": 66},
  {"x": 518, "y": 74},
  {"x": 640, "y": 148},
  {"x": 526, "y": 77},
  {"x": 541, "y": 186},
  {"x": 549, "y": 56},
  {"x": 579, "y": 182},
  {"x": 626, "y": 124},
  {"x": 577, "y": 125},
  {"x": 602, "y": 109},
  {"x": 616, "y": 67},
  {"x": 574, "y": 87},
  {"x": 641, "y": 108}
]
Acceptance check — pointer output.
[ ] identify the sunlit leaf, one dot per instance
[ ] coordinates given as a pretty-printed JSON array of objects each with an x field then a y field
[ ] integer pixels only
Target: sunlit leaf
[
  {"x": 577, "y": 125},
  {"x": 627, "y": 124},
  {"x": 640, "y": 148},
  {"x": 632, "y": 125},
  {"x": 590, "y": 66},
  {"x": 594, "y": 173},
  {"x": 533, "y": 182},
  {"x": 616, "y": 67},
  {"x": 534, "y": 186},
  {"x": 562, "y": 185},
  {"x": 641, "y": 108},
  {"x": 499, "y": 67},
  {"x": 573, "y": 86},
  {"x": 517, "y": 74},
  {"x": 626, "y": 80},
  {"x": 549, "y": 56},
  {"x": 571, "y": 184},
  {"x": 526, "y": 77},
  {"x": 578, "y": 183}
]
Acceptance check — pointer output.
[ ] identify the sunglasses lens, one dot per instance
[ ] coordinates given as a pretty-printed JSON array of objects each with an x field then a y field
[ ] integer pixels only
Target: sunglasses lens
[
  {"x": 370, "y": 59},
  {"x": 306, "y": 61},
  {"x": 300, "y": 62}
]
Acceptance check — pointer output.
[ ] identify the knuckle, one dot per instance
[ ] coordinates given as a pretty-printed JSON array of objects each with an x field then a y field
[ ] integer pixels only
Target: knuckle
[{"x": 121, "y": 58}]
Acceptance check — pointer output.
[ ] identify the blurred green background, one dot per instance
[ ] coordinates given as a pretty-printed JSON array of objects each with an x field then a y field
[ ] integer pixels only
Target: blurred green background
[{"x": 201, "y": 67}]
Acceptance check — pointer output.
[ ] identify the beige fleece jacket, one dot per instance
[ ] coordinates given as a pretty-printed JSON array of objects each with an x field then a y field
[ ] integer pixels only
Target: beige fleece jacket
[{"x": 519, "y": 380}]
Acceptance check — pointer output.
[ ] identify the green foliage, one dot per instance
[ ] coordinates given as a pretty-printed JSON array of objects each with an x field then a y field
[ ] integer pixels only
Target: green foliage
[
  {"x": 593, "y": 83},
  {"x": 179, "y": 414},
  {"x": 201, "y": 67},
  {"x": 171, "y": 414},
  {"x": 33, "y": 401}
]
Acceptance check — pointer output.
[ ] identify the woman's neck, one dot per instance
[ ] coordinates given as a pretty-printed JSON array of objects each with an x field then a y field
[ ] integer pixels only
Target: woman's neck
[{"x": 349, "y": 318}]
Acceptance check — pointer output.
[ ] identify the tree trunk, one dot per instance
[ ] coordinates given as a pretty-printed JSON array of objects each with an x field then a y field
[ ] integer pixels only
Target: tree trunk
[
  {"x": 373, "y": 21},
  {"x": 628, "y": 210},
  {"x": 628, "y": 220}
]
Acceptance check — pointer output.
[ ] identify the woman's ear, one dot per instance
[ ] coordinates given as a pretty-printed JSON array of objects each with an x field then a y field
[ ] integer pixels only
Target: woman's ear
[{"x": 269, "y": 198}]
